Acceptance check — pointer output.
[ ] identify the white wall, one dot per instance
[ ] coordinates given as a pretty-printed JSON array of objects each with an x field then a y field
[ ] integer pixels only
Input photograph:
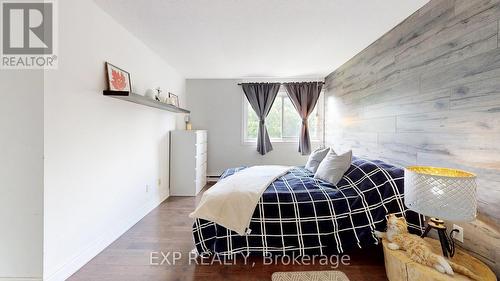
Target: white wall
[
  {"x": 21, "y": 174},
  {"x": 100, "y": 153},
  {"x": 216, "y": 105}
]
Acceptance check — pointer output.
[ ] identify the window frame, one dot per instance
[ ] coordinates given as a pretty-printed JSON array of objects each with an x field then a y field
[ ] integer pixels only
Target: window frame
[{"x": 282, "y": 94}]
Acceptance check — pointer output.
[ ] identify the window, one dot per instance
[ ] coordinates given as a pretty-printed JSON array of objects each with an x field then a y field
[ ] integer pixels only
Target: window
[{"x": 283, "y": 122}]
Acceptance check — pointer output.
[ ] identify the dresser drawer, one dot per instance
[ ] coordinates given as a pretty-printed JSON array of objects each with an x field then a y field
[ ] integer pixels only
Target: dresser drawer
[
  {"x": 200, "y": 177},
  {"x": 200, "y": 159},
  {"x": 199, "y": 185},
  {"x": 201, "y": 136},
  {"x": 201, "y": 170},
  {"x": 201, "y": 148}
]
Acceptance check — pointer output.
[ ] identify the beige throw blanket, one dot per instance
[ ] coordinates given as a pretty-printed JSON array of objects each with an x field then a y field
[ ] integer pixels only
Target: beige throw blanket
[{"x": 232, "y": 201}]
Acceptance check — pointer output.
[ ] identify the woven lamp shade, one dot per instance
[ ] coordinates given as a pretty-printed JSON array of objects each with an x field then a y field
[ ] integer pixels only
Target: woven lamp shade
[{"x": 443, "y": 193}]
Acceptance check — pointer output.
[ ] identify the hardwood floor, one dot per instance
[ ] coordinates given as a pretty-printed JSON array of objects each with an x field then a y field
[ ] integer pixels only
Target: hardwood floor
[{"x": 168, "y": 229}]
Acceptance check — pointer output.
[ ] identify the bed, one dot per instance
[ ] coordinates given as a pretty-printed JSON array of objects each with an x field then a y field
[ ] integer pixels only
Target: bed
[{"x": 300, "y": 215}]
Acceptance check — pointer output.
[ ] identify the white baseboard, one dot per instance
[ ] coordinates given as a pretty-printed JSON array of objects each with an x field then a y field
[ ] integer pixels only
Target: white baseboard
[{"x": 94, "y": 248}]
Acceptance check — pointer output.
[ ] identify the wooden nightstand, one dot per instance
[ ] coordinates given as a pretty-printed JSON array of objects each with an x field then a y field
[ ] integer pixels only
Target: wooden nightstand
[{"x": 400, "y": 268}]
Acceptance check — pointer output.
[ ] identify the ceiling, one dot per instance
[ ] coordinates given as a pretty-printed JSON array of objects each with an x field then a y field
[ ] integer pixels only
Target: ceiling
[{"x": 258, "y": 38}]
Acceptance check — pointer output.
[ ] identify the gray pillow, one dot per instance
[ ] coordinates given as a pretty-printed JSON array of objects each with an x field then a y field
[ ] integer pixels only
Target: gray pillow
[
  {"x": 333, "y": 167},
  {"x": 315, "y": 158}
]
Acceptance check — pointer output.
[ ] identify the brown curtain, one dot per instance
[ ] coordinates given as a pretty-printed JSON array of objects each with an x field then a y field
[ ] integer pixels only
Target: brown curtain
[
  {"x": 304, "y": 97},
  {"x": 261, "y": 97}
]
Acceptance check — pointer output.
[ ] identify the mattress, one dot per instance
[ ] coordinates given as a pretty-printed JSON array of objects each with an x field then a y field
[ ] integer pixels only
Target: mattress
[{"x": 300, "y": 215}]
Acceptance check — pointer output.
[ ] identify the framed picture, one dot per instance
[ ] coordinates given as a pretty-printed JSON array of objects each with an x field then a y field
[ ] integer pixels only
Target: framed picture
[
  {"x": 174, "y": 99},
  {"x": 118, "y": 79}
]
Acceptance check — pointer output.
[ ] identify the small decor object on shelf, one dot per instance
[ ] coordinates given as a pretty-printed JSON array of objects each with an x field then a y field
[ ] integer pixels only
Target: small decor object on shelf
[
  {"x": 157, "y": 93},
  {"x": 441, "y": 193},
  {"x": 188, "y": 123},
  {"x": 168, "y": 100},
  {"x": 174, "y": 99},
  {"x": 118, "y": 79}
]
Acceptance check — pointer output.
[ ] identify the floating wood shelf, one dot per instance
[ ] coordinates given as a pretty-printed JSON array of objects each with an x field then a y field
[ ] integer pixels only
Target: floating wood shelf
[{"x": 135, "y": 98}]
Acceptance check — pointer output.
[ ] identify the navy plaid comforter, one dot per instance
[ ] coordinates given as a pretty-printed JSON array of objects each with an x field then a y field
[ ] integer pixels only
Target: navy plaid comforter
[{"x": 301, "y": 215}]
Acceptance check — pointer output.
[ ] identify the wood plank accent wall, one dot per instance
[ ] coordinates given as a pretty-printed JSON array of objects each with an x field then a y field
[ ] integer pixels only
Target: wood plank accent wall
[{"x": 428, "y": 92}]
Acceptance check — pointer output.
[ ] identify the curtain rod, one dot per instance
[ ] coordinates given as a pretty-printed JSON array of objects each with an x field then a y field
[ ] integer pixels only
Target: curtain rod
[{"x": 284, "y": 82}]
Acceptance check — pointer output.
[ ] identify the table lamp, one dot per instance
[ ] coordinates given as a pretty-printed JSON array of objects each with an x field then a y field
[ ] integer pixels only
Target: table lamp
[{"x": 441, "y": 194}]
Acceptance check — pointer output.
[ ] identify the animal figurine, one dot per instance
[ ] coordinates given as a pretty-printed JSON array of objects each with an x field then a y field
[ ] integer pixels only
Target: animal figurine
[{"x": 417, "y": 248}]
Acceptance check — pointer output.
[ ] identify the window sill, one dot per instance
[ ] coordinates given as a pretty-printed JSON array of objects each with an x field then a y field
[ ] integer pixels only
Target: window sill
[{"x": 283, "y": 141}]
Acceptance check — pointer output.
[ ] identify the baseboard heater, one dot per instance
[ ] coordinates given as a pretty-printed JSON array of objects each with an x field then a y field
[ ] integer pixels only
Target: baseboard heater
[{"x": 213, "y": 178}]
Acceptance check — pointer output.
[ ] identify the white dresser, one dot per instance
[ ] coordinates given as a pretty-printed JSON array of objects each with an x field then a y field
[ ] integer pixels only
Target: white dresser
[{"x": 188, "y": 162}]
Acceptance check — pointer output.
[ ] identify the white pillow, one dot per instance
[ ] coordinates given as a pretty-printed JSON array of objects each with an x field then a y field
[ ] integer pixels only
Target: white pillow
[
  {"x": 333, "y": 167},
  {"x": 315, "y": 158}
]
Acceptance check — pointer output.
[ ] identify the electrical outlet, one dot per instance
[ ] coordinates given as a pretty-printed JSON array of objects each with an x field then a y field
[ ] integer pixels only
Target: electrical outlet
[
  {"x": 459, "y": 236},
  {"x": 147, "y": 187},
  {"x": 159, "y": 182}
]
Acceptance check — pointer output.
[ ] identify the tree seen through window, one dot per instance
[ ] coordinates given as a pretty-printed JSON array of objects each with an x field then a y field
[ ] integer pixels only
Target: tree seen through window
[{"x": 283, "y": 122}]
